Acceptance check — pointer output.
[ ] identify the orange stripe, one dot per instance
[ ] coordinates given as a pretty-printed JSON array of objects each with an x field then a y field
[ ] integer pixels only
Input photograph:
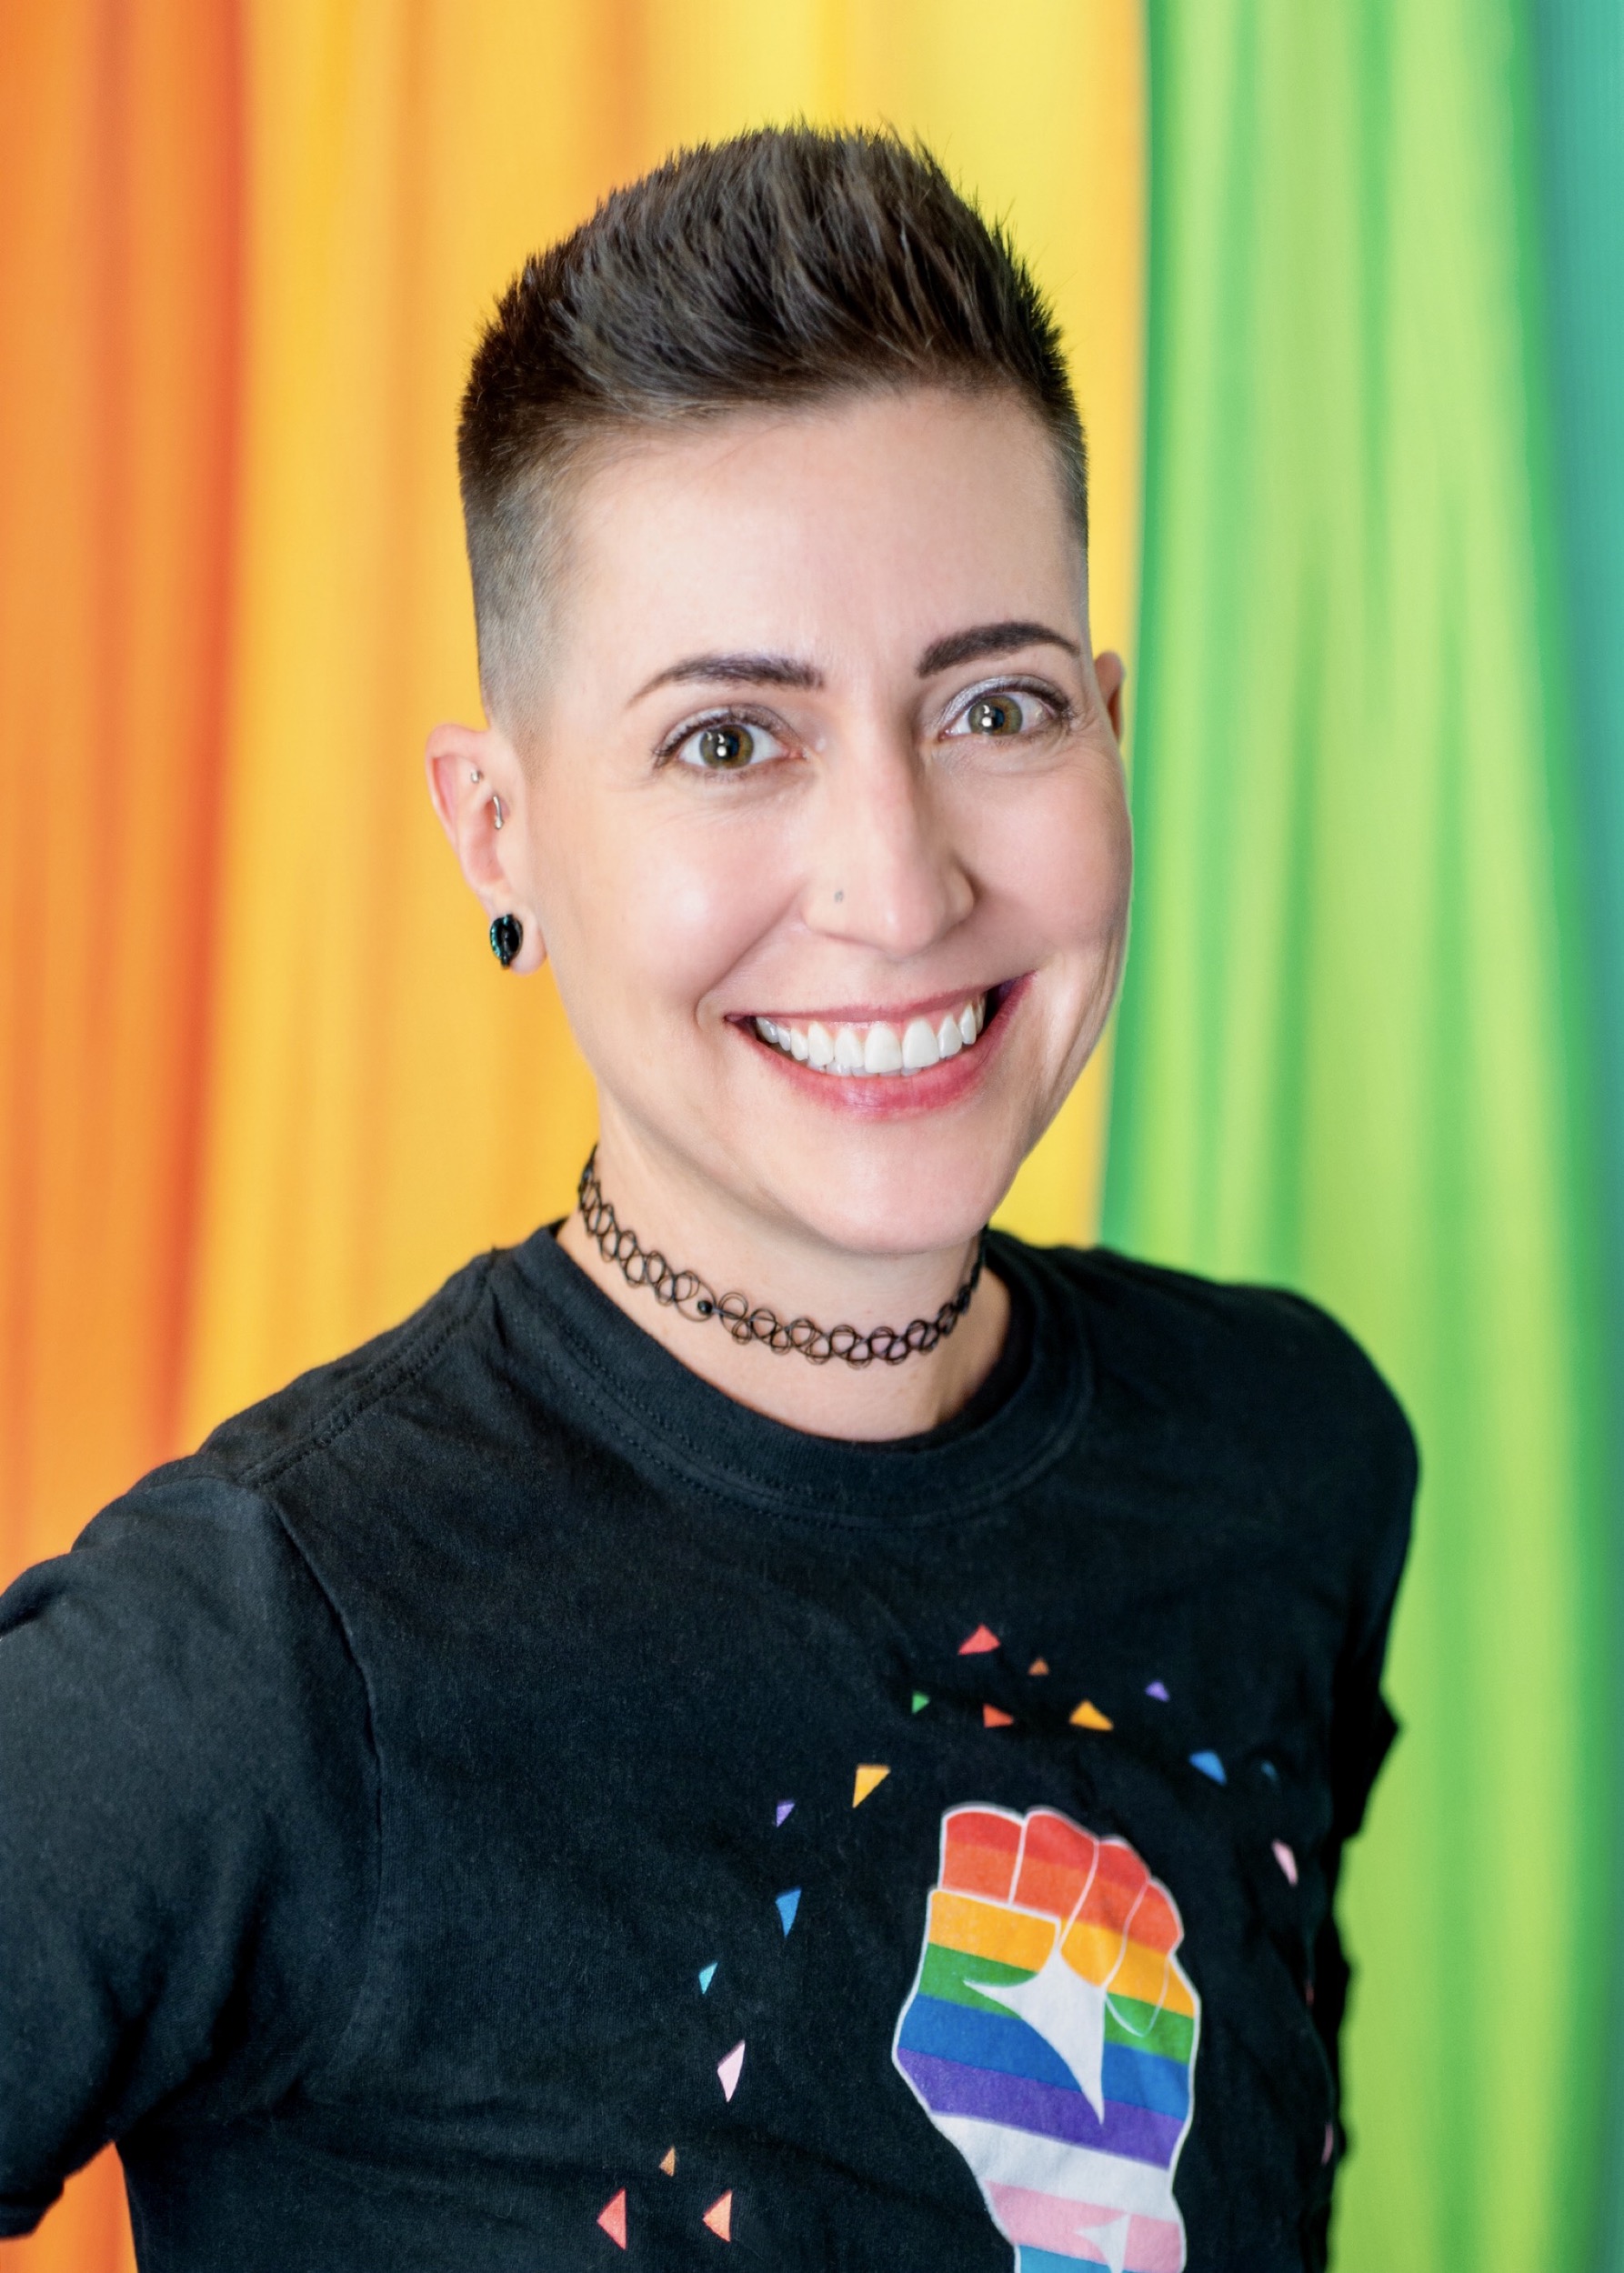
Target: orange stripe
[{"x": 119, "y": 255}]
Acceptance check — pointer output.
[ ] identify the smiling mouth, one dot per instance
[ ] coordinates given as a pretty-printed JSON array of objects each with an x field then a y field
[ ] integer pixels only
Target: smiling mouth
[{"x": 882, "y": 1046}]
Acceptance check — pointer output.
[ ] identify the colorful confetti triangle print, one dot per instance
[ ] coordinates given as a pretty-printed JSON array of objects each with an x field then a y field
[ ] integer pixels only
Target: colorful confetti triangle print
[
  {"x": 728, "y": 2070},
  {"x": 1209, "y": 1765},
  {"x": 612, "y": 2219},
  {"x": 921, "y": 1701},
  {"x": 868, "y": 1779},
  {"x": 1157, "y": 1690},
  {"x": 668, "y": 2162},
  {"x": 789, "y": 1904},
  {"x": 782, "y": 1812},
  {"x": 719, "y": 2216},
  {"x": 707, "y": 1974},
  {"x": 979, "y": 1643},
  {"x": 992, "y": 1719},
  {"x": 1286, "y": 1860},
  {"x": 1088, "y": 1716},
  {"x": 1039, "y": 1666},
  {"x": 1050, "y": 2037}
]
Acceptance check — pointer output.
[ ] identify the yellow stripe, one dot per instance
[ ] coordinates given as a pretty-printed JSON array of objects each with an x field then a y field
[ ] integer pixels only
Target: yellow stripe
[
  {"x": 983, "y": 1929},
  {"x": 1147, "y": 1976},
  {"x": 986, "y": 1930}
]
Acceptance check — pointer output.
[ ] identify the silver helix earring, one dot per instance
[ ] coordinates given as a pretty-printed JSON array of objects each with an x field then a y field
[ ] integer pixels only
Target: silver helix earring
[
  {"x": 474, "y": 776},
  {"x": 496, "y": 812}
]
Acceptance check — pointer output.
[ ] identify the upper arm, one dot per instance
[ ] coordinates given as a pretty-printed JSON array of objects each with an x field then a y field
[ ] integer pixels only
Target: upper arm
[{"x": 187, "y": 1828}]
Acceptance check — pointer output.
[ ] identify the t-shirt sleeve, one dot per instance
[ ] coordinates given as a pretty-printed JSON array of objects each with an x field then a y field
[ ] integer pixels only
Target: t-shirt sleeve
[
  {"x": 1382, "y": 1470},
  {"x": 187, "y": 1828}
]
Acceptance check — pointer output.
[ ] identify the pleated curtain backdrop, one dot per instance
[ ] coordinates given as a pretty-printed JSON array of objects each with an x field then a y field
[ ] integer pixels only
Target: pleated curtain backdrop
[{"x": 1353, "y": 277}]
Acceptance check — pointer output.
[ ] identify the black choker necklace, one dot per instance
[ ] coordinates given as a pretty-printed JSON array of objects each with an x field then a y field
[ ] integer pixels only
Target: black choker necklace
[{"x": 686, "y": 1292}]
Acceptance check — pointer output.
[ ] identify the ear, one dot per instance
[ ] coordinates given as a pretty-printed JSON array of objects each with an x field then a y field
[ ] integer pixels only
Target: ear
[
  {"x": 1112, "y": 674},
  {"x": 473, "y": 774}
]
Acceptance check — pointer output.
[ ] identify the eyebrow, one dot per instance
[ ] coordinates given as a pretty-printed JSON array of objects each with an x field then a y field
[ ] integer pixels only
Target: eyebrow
[
  {"x": 735, "y": 670},
  {"x": 980, "y": 641},
  {"x": 989, "y": 639}
]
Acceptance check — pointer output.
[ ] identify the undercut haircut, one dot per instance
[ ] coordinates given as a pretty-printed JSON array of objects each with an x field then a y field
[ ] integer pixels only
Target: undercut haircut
[{"x": 781, "y": 269}]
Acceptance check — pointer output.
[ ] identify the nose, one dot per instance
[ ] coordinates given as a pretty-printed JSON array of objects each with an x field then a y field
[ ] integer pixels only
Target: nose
[{"x": 884, "y": 872}]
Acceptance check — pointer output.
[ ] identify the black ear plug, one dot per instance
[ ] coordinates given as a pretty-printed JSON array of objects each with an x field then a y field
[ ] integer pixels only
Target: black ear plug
[{"x": 507, "y": 936}]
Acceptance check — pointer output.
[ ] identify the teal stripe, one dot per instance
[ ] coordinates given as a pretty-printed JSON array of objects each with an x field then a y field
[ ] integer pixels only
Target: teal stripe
[{"x": 1580, "y": 48}]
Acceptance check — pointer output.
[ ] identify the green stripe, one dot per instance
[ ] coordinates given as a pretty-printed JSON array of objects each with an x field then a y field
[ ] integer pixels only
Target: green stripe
[
  {"x": 947, "y": 1974},
  {"x": 1351, "y": 1056},
  {"x": 1170, "y": 2035}
]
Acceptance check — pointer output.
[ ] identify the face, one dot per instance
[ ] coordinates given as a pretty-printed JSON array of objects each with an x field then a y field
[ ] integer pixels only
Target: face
[{"x": 821, "y": 815}]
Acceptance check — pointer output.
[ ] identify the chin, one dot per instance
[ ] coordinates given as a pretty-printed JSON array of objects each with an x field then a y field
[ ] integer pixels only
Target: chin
[{"x": 917, "y": 1198}]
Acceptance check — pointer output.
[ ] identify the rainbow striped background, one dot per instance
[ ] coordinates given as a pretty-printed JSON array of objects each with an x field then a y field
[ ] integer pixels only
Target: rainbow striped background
[{"x": 1344, "y": 291}]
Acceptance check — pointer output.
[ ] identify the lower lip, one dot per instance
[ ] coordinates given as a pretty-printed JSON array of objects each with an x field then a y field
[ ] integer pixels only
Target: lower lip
[{"x": 900, "y": 1097}]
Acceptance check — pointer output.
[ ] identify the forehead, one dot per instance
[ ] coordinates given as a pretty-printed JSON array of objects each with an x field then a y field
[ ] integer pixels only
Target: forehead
[{"x": 855, "y": 529}]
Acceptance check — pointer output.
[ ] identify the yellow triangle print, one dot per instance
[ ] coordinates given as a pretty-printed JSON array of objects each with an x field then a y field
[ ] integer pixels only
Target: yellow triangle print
[
  {"x": 1088, "y": 1716},
  {"x": 867, "y": 1779}
]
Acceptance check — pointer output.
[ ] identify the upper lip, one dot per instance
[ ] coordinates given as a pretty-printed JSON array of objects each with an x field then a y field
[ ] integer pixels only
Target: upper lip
[{"x": 876, "y": 1014}]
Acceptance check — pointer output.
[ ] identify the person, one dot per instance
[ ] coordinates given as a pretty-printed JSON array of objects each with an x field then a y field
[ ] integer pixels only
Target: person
[{"x": 768, "y": 1719}]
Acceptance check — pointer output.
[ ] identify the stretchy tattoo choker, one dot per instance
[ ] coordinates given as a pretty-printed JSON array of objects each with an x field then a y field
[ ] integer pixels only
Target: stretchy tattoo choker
[{"x": 686, "y": 1293}]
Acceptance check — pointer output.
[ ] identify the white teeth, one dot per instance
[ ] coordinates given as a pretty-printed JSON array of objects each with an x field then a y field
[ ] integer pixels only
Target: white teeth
[
  {"x": 877, "y": 1047},
  {"x": 919, "y": 1047}
]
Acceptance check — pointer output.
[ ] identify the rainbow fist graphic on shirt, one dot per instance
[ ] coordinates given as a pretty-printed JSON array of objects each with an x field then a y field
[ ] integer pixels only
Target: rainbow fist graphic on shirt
[{"x": 1051, "y": 2036}]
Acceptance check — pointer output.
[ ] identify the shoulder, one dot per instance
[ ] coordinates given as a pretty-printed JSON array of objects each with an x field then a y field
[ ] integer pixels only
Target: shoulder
[
  {"x": 184, "y": 1616},
  {"x": 1240, "y": 1349},
  {"x": 366, "y": 1387},
  {"x": 1250, "y": 1389},
  {"x": 198, "y": 1580}
]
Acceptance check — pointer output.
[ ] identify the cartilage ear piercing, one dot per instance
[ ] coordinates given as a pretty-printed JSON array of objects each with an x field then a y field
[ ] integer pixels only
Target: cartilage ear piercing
[
  {"x": 507, "y": 936},
  {"x": 474, "y": 776},
  {"x": 497, "y": 816}
]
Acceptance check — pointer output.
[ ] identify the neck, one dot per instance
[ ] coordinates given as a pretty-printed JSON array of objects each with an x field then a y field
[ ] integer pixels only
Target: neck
[{"x": 701, "y": 1230}]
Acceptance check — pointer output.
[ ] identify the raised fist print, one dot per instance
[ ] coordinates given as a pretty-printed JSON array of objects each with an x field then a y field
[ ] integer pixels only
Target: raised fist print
[{"x": 1051, "y": 2035}]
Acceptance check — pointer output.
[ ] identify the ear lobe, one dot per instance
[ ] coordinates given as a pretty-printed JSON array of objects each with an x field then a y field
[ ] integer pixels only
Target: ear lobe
[{"x": 474, "y": 776}]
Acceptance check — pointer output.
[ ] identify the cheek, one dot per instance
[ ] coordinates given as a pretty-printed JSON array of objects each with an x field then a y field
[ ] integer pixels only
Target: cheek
[
  {"x": 660, "y": 911},
  {"x": 1059, "y": 858}
]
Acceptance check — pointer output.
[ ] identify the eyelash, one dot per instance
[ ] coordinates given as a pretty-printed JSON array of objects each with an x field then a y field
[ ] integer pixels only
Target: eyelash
[
  {"x": 736, "y": 715},
  {"x": 1061, "y": 713}
]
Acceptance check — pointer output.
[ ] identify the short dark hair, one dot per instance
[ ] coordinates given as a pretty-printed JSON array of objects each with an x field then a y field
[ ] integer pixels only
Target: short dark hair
[{"x": 778, "y": 268}]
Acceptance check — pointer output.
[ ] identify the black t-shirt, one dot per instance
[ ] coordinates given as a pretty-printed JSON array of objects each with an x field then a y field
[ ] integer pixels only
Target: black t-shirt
[{"x": 502, "y": 1805}]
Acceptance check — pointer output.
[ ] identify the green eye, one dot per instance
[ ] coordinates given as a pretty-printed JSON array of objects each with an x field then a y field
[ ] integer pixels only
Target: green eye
[
  {"x": 725, "y": 748},
  {"x": 994, "y": 714}
]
